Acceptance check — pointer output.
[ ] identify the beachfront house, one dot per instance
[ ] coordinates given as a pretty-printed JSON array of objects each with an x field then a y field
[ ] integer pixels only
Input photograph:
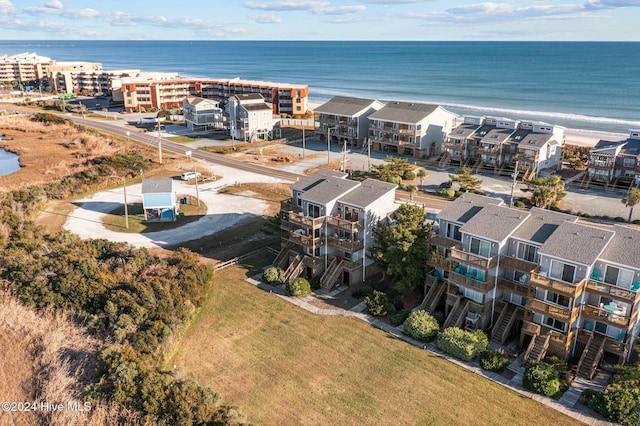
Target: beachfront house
[
  {"x": 345, "y": 119},
  {"x": 202, "y": 114},
  {"x": 328, "y": 226},
  {"x": 408, "y": 128},
  {"x": 561, "y": 287},
  {"x": 616, "y": 163},
  {"x": 250, "y": 117},
  {"x": 159, "y": 200}
]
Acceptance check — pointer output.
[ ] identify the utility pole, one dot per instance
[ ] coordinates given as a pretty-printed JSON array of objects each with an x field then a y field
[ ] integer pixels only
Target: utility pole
[
  {"x": 513, "y": 184},
  {"x": 188, "y": 154},
  {"x": 126, "y": 148},
  {"x": 126, "y": 208},
  {"x": 159, "y": 144},
  {"x": 303, "y": 140},
  {"x": 369, "y": 155},
  {"x": 329, "y": 142}
]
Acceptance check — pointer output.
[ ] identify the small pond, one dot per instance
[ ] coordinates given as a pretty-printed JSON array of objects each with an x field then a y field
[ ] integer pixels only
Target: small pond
[{"x": 9, "y": 162}]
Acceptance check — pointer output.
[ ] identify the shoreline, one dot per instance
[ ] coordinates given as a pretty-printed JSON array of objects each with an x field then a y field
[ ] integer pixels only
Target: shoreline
[{"x": 573, "y": 136}]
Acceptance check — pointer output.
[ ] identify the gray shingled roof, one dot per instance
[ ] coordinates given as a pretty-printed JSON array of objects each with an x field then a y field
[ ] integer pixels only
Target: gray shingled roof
[
  {"x": 541, "y": 224},
  {"x": 494, "y": 222},
  {"x": 403, "y": 112},
  {"x": 463, "y": 131},
  {"x": 306, "y": 182},
  {"x": 606, "y": 145},
  {"x": 345, "y": 106},
  {"x": 534, "y": 140},
  {"x": 632, "y": 147},
  {"x": 577, "y": 243},
  {"x": 497, "y": 135},
  {"x": 466, "y": 206},
  {"x": 328, "y": 190},
  {"x": 256, "y": 107},
  {"x": 624, "y": 248},
  {"x": 157, "y": 186},
  {"x": 249, "y": 96},
  {"x": 368, "y": 192}
]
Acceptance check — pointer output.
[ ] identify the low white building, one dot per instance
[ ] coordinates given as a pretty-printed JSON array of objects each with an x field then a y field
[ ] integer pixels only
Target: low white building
[
  {"x": 159, "y": 200},
  {"x": 202, "y": 114},
  {"x": 250, "y": 117}
]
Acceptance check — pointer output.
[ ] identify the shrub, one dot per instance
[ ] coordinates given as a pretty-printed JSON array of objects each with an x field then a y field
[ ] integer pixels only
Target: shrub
[
  {"x": 363, "y": 291},
  {"x": 586, "y": 215},
  {"x": 395, "y": 298},
  {"x": 273, "y": 275},
  {"x": 519, "y": 204},
  {"x": 462, "y": 344},
  {"x": 315, "y": 283},
  {"x": 409, "y": 175},
  {"x": 636, "y": 221},
  {"x": 298, "y": 287},
  {"x": 444, "y": 192},
  {"x": 399, "y": 317},
  {"x": 542, "y": 378},
  {"x": 620, "y": 219},
  {"x": 421, "y": 325},
  {"x": 621, "y": 405},
  {"x": 493, "y": 360},
  {"x": 378, "y": 303}
]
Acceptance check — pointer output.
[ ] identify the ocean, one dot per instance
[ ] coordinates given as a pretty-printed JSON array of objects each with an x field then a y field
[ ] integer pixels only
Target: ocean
[{"x": 584, "y": 85}]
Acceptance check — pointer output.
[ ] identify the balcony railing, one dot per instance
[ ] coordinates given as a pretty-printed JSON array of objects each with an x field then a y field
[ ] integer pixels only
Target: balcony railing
[
  {"x": 473, "y": 259},
  {"x": 305, "y": 240},
  {"x": 345, "y": 224},
  {"x": 548, "y": 309},
  {"x": 527, "y": 157},
  {"x": 350, "y": 265},
  {"x": 313, "y": 261},
  {"x": 519, "y": 265},
  {"x": 312, "y": 222},
  {"x": 560, "y": 287},
  {"x": 602, "y": 315},
  {"x": 438, "y": 261},
  {"x": 514, "y": 287},
  {"x": 444, "y": 242},
  {"x": 616, "y": 347},
  {"x": 531, "y": 328},
  {"x": 611, "y": 290},
  {"x": 345, "y": 244},
  {"x": 469, "y": 282}
]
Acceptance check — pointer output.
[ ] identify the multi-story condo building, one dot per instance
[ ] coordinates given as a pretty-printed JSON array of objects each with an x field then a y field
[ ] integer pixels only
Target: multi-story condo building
[
  {"x": 564, "y": 288},
  {"x": 23, "y": 67},
  {"x": 408, "y": 128},
  {"x": 345, "y": 119},
  {"x": 203, "y": 114},
  {"x": 327, "y": 226},
  {"x": 616, "y": 162},
  {"x": 250, "y": 117},
  {"x": 498, "y": 144},
  {"x": 155, "y": 92}
]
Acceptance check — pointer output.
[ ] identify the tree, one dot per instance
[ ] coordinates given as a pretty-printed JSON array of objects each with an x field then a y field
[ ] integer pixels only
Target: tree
[
  {"x": 411, "y": 189},
  {"x": 630, "y": 199},
  {"x": 545, "y": 192},
  {"x": 465, "y": 181},
  {"x": 400, "y": 246},
  {"x": 422, "y": 173},
  {"x": 393, "y": 170}
]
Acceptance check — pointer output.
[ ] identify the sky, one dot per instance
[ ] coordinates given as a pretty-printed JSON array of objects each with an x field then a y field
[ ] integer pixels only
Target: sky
[{"x": 562, "y": 20}]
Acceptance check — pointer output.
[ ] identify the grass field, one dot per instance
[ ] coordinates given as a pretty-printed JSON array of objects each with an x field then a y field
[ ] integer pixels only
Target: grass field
[{"x": 282, "y": 365}]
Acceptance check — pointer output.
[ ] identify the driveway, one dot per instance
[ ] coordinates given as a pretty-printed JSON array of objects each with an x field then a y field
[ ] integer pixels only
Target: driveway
[{"x": 223, "y": 210}]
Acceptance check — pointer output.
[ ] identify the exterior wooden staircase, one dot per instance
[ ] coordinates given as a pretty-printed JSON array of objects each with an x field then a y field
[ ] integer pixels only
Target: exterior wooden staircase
[
  {"x": 457, "y": 314},
  {"x": 295, "y": 268},
  {"x": 591, "y": 356},
  {"x": 328, "y": 279},
  {"x": 505, "y": 322},
  {"x": 433, "y": 297},
  {"x": 444, "y": 162},
  {"x": 477, "y": 166},
  {"x": 283, "y": 256},
  {"x": 537, "y": 349}
]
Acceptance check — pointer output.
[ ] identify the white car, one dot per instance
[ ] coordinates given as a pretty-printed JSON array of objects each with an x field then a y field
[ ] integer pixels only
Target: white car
[{"x": 190, "y": 175}]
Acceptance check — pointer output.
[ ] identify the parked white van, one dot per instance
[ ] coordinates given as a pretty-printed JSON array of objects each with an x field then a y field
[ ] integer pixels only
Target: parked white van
[{"x": 190, "y": 175}]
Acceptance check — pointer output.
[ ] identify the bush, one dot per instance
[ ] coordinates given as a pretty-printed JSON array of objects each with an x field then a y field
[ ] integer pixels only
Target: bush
[
  {"x": 636, "y": 221},
  {"x": 315, "y": 283},
  {"x": 493, "y": 360},
  {"x": 399, "y": 317},
  {"x": 444, "y": 192},
  {"x": 586, "y": 215},
  {"x": 378, "y": 304},
  {"x": 519, "y": 204},
  {"x": 298, "y": 287},
  {"x": 409, "y": 175},
  {"x": 620, "y": 405},
  {"x": 620, "y": 219},
  {"x": 542, "y": 378},
  {"x": 361, "y": 292},
  {"x": 421, "y": 325},
  {"x": 462, "y": 344},
  {"x": 273, "y": 275}
]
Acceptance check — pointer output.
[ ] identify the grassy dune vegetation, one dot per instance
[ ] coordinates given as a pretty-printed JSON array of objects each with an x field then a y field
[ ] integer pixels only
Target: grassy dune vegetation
[{"x": 284, "y": 365}]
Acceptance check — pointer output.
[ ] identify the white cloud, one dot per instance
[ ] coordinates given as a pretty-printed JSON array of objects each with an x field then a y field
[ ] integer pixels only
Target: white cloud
[
  {"x": 6, "y": 7},
  {"x": 265, "y": 19},
  {"x": 339, "y": 10},
  {"x": 54, "y": 4},
  {"x": 287, "y": 5},
  {"x": 383, "y": 2}
]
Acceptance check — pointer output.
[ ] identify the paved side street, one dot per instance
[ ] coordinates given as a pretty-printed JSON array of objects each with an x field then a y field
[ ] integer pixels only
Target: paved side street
[{"x": 568, "y": 404}]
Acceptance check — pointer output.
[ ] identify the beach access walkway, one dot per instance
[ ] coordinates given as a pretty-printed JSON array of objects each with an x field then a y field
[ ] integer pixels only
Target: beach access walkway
[{"x": 568, "y": 404}]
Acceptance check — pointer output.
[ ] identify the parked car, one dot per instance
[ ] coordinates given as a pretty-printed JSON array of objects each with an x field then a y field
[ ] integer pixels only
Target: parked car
[
  {"x": 190, "y": 175},
  {"x": 445, "y": 185}
]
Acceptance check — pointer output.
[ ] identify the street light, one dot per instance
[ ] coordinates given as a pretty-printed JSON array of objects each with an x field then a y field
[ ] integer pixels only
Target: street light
[
  {"x": 159, "y": 145},
  {"x": 188, "y": 154},
  {"x": 329, "y": 142},
  {"x": 126, "y": 148},
  {"x": 126, "y": 209}
]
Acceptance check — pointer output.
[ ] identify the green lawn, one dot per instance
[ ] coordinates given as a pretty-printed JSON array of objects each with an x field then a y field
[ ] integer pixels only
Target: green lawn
[{"x": 283, "y": 365}]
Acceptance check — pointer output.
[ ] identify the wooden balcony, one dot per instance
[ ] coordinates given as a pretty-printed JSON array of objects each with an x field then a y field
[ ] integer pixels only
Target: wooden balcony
[
  {"x": 611, "y": 290},
  {"x": 444, "y": 242},
  {"x": 311, "y": 222},
  {"x": 616, "y": 347},
  {"x": 288, "y": 207},
  {"x": 351, "y": 224},
  {"x": 519, "y": 265},
  {"x": 304, "y": 240},
  {"x": 470, "y": 282},
  {"x": 473, "y": 259},
  {"x": 313, "y": 261},
  {"x": 345, "y": 244},
  {"x": 556, "y": 286},
  {"x": 602, "y": 315},
  {"x": 527, "y": 157},
  {"x": 550, "y": 310},
  {"x": 531, "y": 328},
  {"x": 488, "y": 150},
  {"x": 514, "y": 287},
  {"x": 350, "y": 265},
  {"x": 438, "y": 261}
]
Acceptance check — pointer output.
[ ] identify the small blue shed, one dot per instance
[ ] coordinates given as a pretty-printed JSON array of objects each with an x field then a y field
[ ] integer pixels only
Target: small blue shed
[{"x": 159, "y": 200}]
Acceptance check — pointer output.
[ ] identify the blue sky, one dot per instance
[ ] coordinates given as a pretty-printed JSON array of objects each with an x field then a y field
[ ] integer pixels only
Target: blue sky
[{"x": 321, "y": 19}]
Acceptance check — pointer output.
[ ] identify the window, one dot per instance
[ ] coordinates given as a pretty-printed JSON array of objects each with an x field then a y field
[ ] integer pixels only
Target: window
[
  {"x": 562, "y": 271},
  {"x": 528, "y": 252},
  {"x": 453, "y": 231},
  {"x": 476, "y": 296},
  {"x": 557, "y": 299},
  {"x": 556, "y": 324},
  {"x": 298, "y": 108},
  {"x": 521, "y": 277},
  {"x": 313, "y": 211},
  {"x": 619, "y": 277},
  {"x": 480, "y": 247}
]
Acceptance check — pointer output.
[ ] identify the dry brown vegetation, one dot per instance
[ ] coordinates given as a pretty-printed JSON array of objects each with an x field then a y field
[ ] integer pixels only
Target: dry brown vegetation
[
  {"x": 45, "y": 357},
  {"x": 48, "y": 152}
]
